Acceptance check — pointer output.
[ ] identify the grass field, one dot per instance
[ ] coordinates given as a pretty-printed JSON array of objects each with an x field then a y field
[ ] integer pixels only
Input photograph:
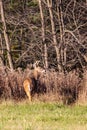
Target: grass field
[{"x": 41, "y": 116}]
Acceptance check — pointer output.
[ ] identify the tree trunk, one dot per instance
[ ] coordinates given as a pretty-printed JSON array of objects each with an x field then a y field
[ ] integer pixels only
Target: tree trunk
[
  {"x": 1, "y": 53},
  {"x": 43, "y": 35},
  {"x": 6, "y": 36},
  {"x": 54, "y": 34},
  {"x": 61, "y": 27}
]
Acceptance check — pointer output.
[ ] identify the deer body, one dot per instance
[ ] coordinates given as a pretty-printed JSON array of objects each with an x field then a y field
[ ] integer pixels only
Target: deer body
[{"x": 30, "y": 83}]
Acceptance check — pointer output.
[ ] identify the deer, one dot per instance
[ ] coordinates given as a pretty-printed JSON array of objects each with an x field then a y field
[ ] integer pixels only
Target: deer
[{"x": 31, "y": 82}]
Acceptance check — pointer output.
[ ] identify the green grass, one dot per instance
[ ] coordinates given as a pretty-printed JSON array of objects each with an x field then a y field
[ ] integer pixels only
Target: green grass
[{"x": 42, "y": 116}]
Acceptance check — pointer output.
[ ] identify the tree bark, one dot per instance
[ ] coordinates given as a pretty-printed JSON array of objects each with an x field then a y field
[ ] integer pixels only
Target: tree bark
[
  {"x": 49, "y": 3},
  {"x": 43, "y": 35},
  {"x": 1, "y": 53},
  {"x": 61, "y": 28},
  {"x": 6, "y": 36}
]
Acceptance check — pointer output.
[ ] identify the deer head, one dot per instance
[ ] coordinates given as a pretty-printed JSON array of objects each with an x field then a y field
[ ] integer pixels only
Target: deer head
[{"x": 37, "y": 70}]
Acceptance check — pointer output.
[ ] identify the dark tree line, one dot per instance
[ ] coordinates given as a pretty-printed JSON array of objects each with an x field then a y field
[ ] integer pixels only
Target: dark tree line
[{"x": 52, "y": 31}]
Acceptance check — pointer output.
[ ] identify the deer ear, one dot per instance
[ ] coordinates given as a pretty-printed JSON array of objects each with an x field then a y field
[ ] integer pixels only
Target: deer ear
[{"x": 36, "y": 63}]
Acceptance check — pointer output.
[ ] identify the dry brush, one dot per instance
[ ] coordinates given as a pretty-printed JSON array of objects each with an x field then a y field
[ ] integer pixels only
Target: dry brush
[{"x": 67, "y": 88}]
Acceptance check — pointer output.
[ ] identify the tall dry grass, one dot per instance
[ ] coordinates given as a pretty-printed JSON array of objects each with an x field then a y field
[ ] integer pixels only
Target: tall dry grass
[
  {"x": 52, "y": 86},
  {"x": 83, "y": 89}
]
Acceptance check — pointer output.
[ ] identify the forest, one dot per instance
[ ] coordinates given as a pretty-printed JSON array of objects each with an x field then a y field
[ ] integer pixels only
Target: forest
[{"x": 53, "y": 32}]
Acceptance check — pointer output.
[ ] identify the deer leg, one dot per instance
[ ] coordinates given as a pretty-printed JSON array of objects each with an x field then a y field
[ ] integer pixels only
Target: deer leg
[
  {"x": 29, "y": 95},
  {"x": 27, "y": 90}
]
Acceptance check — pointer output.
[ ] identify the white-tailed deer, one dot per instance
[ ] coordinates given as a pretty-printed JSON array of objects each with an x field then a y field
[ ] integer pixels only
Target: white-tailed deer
[{"x": 30, "y": 83}]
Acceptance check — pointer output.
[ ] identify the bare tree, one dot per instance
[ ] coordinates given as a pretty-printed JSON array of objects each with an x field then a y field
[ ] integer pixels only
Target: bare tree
[
  {"x": 49, "y": 3},
  {"x": 61, "y": 28},
  {"x": 6, "y": 36},
  {"x": 43, "y": 34}
]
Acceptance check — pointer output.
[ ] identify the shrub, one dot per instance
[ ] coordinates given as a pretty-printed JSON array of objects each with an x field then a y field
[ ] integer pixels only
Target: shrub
[{"x": 52, "y": 85}]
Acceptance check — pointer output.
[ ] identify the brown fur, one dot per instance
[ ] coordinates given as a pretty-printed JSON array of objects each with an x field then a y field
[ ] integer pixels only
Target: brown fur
[
  {"x": 37, "y": 73},
  {"x": 30, "y": 83},
  {"x": 27, "y": 87}
]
